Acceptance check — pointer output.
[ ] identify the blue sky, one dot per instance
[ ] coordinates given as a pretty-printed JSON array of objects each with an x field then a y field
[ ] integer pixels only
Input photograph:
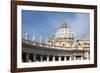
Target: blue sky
[{"x": 45, "y": 24}]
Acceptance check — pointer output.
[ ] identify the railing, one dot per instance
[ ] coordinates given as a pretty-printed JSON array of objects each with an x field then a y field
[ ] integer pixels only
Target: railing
[{"x": 51, "y": 46}]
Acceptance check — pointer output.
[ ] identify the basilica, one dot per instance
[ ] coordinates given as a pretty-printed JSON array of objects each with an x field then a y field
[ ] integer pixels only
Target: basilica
[{"x": 61, "y": 46}]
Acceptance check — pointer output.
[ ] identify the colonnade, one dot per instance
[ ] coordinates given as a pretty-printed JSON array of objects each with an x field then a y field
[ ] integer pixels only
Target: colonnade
[{"x": 31, "y": 57}]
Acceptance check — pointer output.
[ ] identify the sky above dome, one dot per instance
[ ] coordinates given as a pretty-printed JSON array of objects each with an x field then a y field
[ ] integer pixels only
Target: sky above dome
[{"x": 45, "y": 24}]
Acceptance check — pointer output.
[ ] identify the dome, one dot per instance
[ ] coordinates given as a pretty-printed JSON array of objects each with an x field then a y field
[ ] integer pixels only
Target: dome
[{"x": 63, "y": 31}]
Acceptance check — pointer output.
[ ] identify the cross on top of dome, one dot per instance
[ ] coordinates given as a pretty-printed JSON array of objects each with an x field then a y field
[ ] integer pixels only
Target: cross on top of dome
[{"x": 63, "y": 24}]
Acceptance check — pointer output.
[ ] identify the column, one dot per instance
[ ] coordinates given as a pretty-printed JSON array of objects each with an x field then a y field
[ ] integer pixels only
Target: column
[
  {"x": 30, "y": 57},
  {"x": 37, "y": 58},
  {"x": 30, "y": 60},
  {"x": 59, "y": 58},
  {"x": 88, "y": 55},
  {"x": 34, "y": 58},
  {"x": 41, "y": 58},
  {"x": 70, "y": 58},
  {"x": 47, "y": 58},
  {"x": 81, "y": 57},
  {"x": 64, "y": 58},
  {"x": 53, "y": 58},
  {"x": 27, "y": 57},
  {"x": 74, "y": 57}
]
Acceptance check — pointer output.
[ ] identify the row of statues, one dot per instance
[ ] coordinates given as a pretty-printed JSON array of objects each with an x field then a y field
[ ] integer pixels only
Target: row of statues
[{"x": 34, "y": 39}]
